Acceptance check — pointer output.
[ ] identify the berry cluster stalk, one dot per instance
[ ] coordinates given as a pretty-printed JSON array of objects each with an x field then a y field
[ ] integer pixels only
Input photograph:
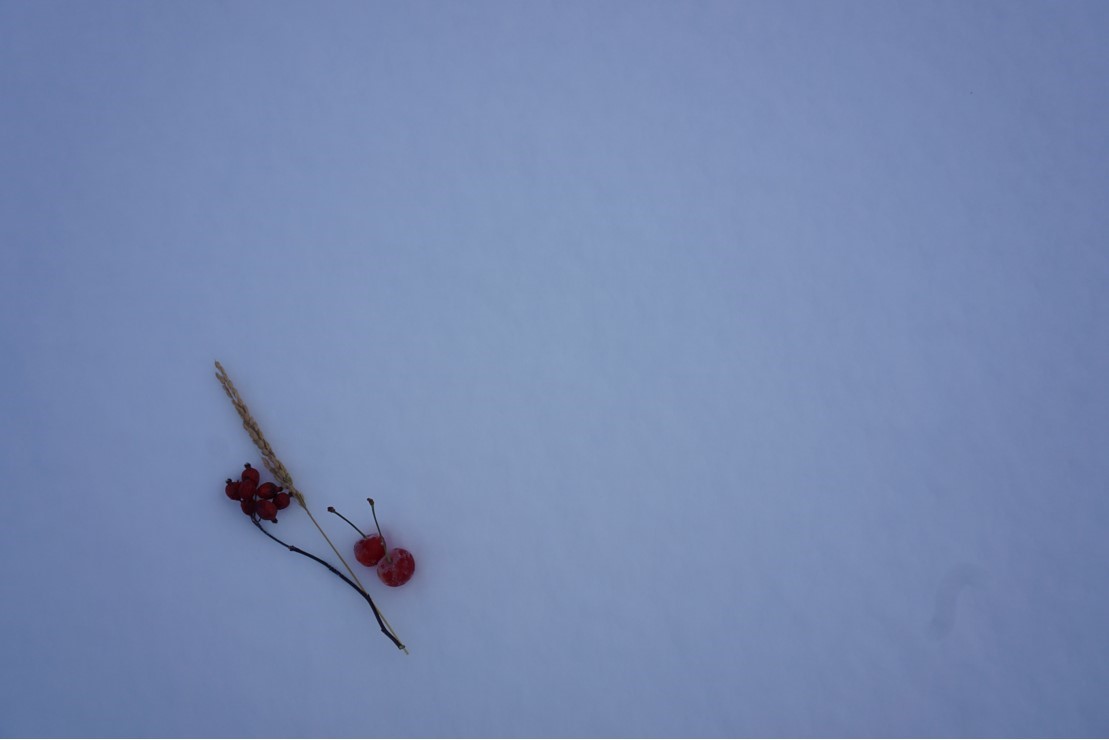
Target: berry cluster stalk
[
  {"x": 282, "y": 476},
  {"x": 330, "y": 567}
]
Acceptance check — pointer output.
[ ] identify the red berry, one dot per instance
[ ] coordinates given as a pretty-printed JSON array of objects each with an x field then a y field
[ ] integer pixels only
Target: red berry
[
  {"x": 247, "y": 506},
  {"x": 266, "y": 510},
  {"x": 267, "y": 490},
  {"x": 281, "y": 500},
  {"x": 232, "y": 489},
  {"x": 247, "y": 488},
  {"x": 250, "y": 473},
  {"x": 398, "y": 568},
  {"x": 369, "y": 550}
]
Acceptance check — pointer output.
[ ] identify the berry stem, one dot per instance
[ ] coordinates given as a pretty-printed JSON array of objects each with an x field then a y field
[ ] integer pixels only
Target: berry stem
[
  {"x": 362, "y": 592},
  {"x": 379, "y": 534},
  {"x": 348, "y": 521},
  {"x": 347, "y": 566}
]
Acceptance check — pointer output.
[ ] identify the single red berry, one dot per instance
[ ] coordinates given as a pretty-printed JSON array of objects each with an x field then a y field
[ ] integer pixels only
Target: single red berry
[
  {"x": 247, "y": 506},
  {"x": 396, "y": 569},
  {"x": 266, "y": 510},
  {"x": 267, "y": 490},
  {"x": 232, "y": 489},
  {"x": 250, "y": 473},
  {"x": 281, "y": 500},
  {"x": 247, "y": 488},
  {"x": 369, "y": 550}
]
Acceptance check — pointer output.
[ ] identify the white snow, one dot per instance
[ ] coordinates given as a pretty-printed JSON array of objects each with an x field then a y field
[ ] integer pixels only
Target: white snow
[{"x": 729, "y": 368}]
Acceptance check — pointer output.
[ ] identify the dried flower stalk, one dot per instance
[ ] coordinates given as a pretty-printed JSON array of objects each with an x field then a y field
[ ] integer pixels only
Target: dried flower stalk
[{"x": 269, "y": 457}]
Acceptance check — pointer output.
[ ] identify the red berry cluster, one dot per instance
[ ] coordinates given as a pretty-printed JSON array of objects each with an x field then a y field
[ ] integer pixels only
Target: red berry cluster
[
  {"x": 261, "y": 500},
  {"x": 394, "y": 568}
]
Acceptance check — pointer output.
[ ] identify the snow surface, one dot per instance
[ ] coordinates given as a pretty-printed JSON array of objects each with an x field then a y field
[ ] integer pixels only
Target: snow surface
[{"x": 730, "y": 368}]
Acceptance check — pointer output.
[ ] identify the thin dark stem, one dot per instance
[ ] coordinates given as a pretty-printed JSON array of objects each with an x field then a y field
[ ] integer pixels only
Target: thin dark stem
[
  {"x": 324, "y": 563},
  {"x": 384, "y": 546},
  {"x": 348, "y": 521},
  {"x": 374, "y": 512}
]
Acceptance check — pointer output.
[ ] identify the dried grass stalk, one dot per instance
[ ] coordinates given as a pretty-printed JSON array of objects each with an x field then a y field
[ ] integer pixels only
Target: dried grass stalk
[{"x": 269, "y": 457}]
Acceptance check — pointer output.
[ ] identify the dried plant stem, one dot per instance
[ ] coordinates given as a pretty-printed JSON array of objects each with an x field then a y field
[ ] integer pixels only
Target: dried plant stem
[
  {"x": 282, "y": 476},
  {"x": 269, "y": 458},
  {"x": 386, "y": 630}
]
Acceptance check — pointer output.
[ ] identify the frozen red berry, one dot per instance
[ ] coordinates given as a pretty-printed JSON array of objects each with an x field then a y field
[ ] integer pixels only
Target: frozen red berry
[
  {"x": 369, "y": 550},
  {"x": 281, "y": 500},
  {"x": 248, "y": 506},
  {"x": 247, "y": 489},
  {"x": 266, "y": 509},
  {"x": 397, "y": 569},
  {"x": 232, "y": 489},
  {"x": 251, "y": 474},
  {"x": 267, "y": 490}
]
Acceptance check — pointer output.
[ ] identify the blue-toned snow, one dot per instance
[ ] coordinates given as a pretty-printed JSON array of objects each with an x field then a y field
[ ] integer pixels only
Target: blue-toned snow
[{"x": 730, "y": 368}]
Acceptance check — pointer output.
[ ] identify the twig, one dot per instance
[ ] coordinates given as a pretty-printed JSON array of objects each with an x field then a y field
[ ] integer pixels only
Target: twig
[{"x": 377, "y": 615}]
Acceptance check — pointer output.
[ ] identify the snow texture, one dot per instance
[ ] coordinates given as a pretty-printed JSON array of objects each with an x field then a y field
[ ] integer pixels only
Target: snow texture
[{"x": 729, "y": 368}]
